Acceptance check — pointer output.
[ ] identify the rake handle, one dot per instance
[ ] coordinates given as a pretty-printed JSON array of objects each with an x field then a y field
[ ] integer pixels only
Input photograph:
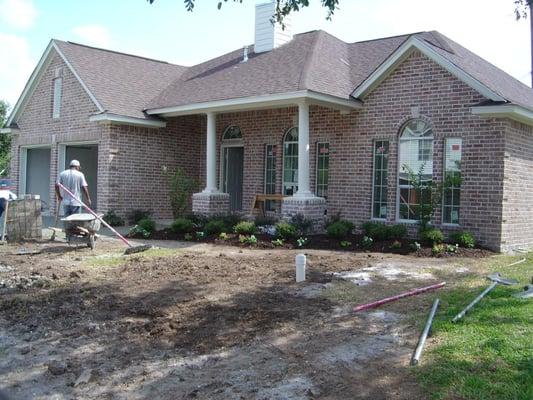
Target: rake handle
[{"x": 95, "y": 215}]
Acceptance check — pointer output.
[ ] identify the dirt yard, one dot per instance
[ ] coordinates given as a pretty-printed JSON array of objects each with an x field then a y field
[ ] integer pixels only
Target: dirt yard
[{"x": 209, "y": 322}]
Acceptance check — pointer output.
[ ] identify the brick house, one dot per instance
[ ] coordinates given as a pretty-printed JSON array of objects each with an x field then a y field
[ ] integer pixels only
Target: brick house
[{"x": 331, "y": 126}]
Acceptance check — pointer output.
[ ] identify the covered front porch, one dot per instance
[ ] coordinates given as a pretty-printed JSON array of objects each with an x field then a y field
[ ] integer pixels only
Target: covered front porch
[{"x": 267, "y": 147}]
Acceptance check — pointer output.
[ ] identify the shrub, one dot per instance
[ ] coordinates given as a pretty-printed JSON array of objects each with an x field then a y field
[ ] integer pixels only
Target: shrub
[
  {"x": 134, "y": 216},
  {"x": 302, "y": 224},
  {"x": 229, "y": 220},
  {"x": 265, "y": 221},
  {"x": 181, "y": 188},
  {"x": 463, "y": 239},
  {"x": 415, "y": 246},
  {"x": 148, "y": 224},
  {"x": 182, "y": 225},
  {"x": 367, "y": 242},
  {"x": 187, "y": 236},
  {"x": 137, "y": 230},
  {"x": 113, "y": 219},
  {"x": 375, "y": 230},
  {"x": 345, "y": 243},
  {"x": 396, "y": 245},
  {"x": 437, "y": 249},
  {"x": 277, "y": 242},
  {"x": 245, "y": 228},
  {"x": 223, "y": 236},
  {"x": 251, "y": 240},
  {"x": 285, "y": 231},
  {"x": 301, "y": 241},
  {"x": 397, "y": 231},
  {"x": 452, "y": 248},
  {"x": 200, "y": 235},
  {"x": 339, "y": 229},
  {"x": 431, "y": 236},
  {"x": 214, "y": 227}
]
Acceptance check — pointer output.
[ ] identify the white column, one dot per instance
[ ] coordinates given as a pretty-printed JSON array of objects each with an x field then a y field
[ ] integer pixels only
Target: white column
[
  {"x": 211, "y": 155},
  {"x": 303, "y": 151}
]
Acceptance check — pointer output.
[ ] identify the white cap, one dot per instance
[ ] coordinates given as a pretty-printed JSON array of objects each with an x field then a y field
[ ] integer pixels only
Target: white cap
[{"x": 74, "y": 163}]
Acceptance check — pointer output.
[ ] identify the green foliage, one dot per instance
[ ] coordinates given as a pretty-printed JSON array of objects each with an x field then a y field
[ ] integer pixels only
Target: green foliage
[
  {"x": 5, "y": 141},
  {"x": 200, "y": 235},
  {"x": 134, "y": 216},
  {"x": 285, "y": 231},
  {"x": 415, "y": 246},
  {"x": 463, "y": 239},
  {"x": 265, "y": 221},
  {"x": 375, "y": 230},
  {"x": 147, "y": 224},
  {"x": 182, "y": 225},
  {"x": 431, "y": 236},
  {"x": 397, "y": 231},
  {"x": 452, "y": 248},
  {"x": 223, "y": 236},
  {"x": 245, "y": 239},
  {"x": 181, "y": 187},
  {"x": 187, "y": 236},
  {"x": 396, "y": 245},
  {"x": 344, "y": 244},
  {"x": 277, "y": 242},
  {"x": 367, "y": 242},
  {"x": 113, "y": 219},
  {"x": 339, "y": 229},
  {"x": 245, "y": 228},
  {"x": 437, "y": 249},
  {"x": 214, "y": 227},
  {"x": 301, "y": 241},
  {"x": 302, "y": 224},
  {"x": 139, "y": 230}
]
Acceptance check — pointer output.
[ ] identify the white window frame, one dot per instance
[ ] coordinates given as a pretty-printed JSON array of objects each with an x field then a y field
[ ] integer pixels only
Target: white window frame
[
  {"x": 399, "y": 168},
  {"x": 374, "y": 179},
  {"x": 444, "y": 177},
  {"x": 316, "y": 165},
  {"x": 283, "y": 159}
]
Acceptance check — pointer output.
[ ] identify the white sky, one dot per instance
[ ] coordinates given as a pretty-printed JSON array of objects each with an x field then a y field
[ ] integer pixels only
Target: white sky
[{"x": 166, "y": 31}]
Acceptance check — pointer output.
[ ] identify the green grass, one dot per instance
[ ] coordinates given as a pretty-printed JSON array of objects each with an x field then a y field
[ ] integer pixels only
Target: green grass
[
  {"x": 116, "y": 259},
  {"x": 489, "y": 353}
]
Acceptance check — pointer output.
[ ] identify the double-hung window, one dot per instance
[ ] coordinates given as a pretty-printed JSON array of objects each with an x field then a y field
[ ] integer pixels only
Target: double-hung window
[
  {"x": 270, "y": 174},
  {"x": 452, "y": 180},
  {"x": 380, "y": 179},
  {"x": 322, "y": 169}
]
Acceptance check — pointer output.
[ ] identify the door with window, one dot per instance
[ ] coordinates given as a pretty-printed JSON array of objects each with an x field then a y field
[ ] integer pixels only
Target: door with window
[{"x": 233, "y": 166}]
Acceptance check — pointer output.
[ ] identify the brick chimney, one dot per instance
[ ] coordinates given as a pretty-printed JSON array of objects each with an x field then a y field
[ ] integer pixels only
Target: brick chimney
[{"x": 268, "y": 36}]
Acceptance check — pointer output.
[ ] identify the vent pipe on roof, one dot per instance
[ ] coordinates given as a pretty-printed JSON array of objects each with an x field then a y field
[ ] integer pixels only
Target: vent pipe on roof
[
  {"x": 268, "y": 36},
  {"x": 244, "y": 54}
]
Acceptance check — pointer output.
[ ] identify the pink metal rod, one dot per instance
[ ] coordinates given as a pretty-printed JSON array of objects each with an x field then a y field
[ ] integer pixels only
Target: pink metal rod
[
  {"x": 397, "y": 297},
  {"x": 95, "y": 215}
]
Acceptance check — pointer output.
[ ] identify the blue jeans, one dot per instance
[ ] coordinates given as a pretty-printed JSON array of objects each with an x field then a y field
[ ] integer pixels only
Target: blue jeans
[{"x": 69, "y": 210}]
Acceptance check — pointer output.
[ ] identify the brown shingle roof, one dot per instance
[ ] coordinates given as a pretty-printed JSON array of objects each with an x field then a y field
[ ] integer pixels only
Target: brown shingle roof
[{"x": 315, "y": 61}]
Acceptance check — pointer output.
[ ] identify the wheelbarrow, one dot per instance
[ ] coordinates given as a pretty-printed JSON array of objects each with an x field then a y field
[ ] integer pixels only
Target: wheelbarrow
[{"x": 81, "y": 228}]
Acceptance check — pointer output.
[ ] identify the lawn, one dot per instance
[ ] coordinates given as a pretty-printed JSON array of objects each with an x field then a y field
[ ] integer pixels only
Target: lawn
[{"x": 489, "y": 353}]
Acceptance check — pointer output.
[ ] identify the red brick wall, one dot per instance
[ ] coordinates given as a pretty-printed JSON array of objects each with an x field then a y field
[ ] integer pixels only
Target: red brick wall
[{"x": 517, "y": 229}]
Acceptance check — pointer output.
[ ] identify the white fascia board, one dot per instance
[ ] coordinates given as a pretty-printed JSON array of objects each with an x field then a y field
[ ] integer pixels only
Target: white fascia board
[
  {"x": 35, "y": 77},
  {"x": 10, "y": 131},
  {"x": 123, "y": 120},
  {"x": 512, "y": 111},
  {"x": 396, "y": 58},
  {"x": 258, "y": 102}
]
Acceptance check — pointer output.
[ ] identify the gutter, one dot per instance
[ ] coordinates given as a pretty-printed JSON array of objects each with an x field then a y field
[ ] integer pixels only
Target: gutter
[
  {"x": 511, "y": 111},
  {"x": 124, "y": 120}
]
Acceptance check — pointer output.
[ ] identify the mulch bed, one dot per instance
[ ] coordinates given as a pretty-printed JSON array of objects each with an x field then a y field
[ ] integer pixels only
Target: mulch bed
[{"x": 324, "y": 242}]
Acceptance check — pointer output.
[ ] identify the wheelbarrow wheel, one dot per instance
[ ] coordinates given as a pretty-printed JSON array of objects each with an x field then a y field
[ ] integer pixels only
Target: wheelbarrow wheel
[{"x": 91, "y": 242}]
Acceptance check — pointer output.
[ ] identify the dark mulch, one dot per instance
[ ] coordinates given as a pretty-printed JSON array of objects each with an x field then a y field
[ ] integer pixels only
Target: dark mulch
[{"x": 324, "y": 242}]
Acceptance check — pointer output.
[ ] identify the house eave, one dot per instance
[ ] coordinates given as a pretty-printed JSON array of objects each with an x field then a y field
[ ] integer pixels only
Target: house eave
[
  {"x": 9, "y": 131},
  {"x": 259, "y": 102},
  {"x": 125, "y": 120},
  {"x": 511, "y": 111},
  {"x": 401, "y": 54}
]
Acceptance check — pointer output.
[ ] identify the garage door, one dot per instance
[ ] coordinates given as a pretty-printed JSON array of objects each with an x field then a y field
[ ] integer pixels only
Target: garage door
[
  {"x": 38, "y": 175},
  {"x": 87, "y": 155}
]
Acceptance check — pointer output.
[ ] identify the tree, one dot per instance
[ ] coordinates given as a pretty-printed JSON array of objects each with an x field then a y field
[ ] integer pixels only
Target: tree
[
  {"x": 283, "y": 7},
  {"x": 5, "y": 140}
]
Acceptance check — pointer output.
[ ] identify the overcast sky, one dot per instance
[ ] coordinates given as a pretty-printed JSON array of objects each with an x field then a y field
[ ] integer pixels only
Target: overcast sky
[{"x": 166, "y": 31}]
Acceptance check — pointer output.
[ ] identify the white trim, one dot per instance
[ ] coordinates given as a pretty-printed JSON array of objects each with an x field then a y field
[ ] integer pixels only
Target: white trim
[
  {"x": 396, "y": 58},
  {"x": 11, "y": 131},
  {"x": 444, "y": 154},
  {"x": 224, "y": 146},
  {"x": 258, "y": 102},
  {"x": 43, "y": 63},
  {"x": 123, "y": 120},
  {"x": 512, "y": 111},
  {"x": 283, "y": 160}
]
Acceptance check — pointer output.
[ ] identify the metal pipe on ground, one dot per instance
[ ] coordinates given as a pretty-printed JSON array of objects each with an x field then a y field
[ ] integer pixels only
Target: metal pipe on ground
[
  {"x": 496, "y": 279},
  {"x": 424, "y": 334},
  {"x": 399, "y": 296},
  {"x": 131, "y": 248}
]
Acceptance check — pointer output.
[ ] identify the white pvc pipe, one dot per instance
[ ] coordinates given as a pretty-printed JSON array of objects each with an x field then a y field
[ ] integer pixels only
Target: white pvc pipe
[{"x": 300, "y": 267}]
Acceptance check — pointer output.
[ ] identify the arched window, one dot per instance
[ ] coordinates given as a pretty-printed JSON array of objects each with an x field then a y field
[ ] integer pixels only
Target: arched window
[
  {"x": 415, "y": 161},
  {"x": 232, "y": 133},
  {"x": 290, "y": 162}
]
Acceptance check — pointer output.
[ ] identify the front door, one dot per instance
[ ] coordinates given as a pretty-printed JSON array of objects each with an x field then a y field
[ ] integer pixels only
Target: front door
[{"x": 233, "y": 176}]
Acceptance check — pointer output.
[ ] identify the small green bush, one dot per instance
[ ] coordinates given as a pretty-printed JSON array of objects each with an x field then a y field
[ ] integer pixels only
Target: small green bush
[
  {"x": 375, "y": 230},
  {"x": 437, "y": 249},
  {"x": 134, "y": 216},
  {"x": 113, "y": 219},
  {"x": 301, "y": 241},
  {"x": 277, "y": 242},
  {"x": 245, "y": 228},
  {"x": 303, "y": 225},
  {"x": 344, "y": 244},
  {"x": 214, "y": 227},
  {"x": 339, "y": 229},
  {"x": 367, "y": 242},
  {"x": 396, "y": 245},
  {"x": 223, "y": 236},
  {"x": 285, "y": 231},
  {"x": 463, "y": 239},
  {"x": 147, "y": 224},
  {"x": 182, "y": 225},
  {"x": 137, "y": 230},
  {"x": 432, "y": 236},
  {"x": 396, "y": 232}
]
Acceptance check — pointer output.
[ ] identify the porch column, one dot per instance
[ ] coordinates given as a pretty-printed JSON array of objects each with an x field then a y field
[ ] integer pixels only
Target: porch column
[
  {"x": 303, "y": 151},
  {"x": 211, "y": 155}
]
